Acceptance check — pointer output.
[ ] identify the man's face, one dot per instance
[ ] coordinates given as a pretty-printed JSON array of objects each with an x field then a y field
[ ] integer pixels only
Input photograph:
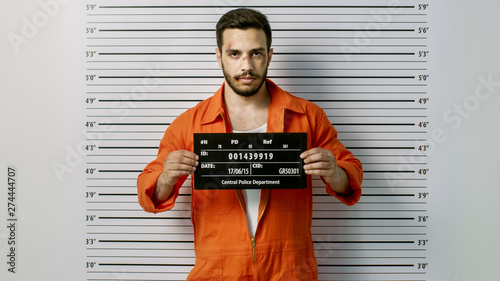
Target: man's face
[{"x": 244, "y": 60}]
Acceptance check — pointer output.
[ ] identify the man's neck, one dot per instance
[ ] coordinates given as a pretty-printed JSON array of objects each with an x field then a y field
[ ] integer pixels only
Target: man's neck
[
  {"x": 247, "y": 113},
  {"x": 235, "y": 101}
]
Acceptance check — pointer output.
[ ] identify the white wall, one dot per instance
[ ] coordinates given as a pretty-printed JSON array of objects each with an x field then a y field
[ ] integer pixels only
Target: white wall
[{"x": 43, "y": 126}]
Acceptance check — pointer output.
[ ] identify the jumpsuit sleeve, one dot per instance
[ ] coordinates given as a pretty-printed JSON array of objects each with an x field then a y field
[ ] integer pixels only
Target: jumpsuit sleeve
[
  {"x": 146, "y": 181},
  {"x": 326, "y": 137}
]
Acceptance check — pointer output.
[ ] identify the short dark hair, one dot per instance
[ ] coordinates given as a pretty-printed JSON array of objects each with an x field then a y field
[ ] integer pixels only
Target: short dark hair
[{"x": 243, "y": 18}]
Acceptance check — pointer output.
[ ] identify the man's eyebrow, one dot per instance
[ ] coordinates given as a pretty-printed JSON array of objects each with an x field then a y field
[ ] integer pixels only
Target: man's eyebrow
[
  {"x": 232, "y": 51},
  {"x": 261, "y": 49}
]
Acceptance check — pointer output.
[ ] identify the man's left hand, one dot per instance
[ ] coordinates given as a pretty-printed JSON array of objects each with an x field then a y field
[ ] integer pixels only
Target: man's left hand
[{"x": 321, "y": 162}]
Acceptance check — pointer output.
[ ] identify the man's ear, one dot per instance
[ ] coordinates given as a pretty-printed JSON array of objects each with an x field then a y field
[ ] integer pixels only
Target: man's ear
[
  {"x": 269, "y": 56},
  {"x": 218, "y": 56}
]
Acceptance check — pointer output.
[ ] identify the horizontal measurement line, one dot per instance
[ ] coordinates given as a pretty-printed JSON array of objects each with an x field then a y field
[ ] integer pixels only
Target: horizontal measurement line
[
  {"x": 296, "y": 92},
  {"x": 118, "y": 210},
  {"x": 389, "y": 171},
  {"x": 128, "y": 147},
  {"x": 117, "y": 194},
  {"x": 274, "y": 30},
  {"x": 331, "y": 242},
  {"x": 130, "y": 132},
  {"x": 360, "y": 257},
  {"x": 381, "y": 100},
  {"x": 136, "y": 249},
  {"x": 382, "y": 147},
  {"x": 132, "y": 100},
  {"x": 190, "y": 227},
  {"x": 270, "y": 76},
  {"x": 142, "y": 241},
  {"x": 133, "y": 124},
  {"x": 364, "y": 108},
  {"x": 365, "y": 139},
  {"x": 141, "y": 264},
  {"x": 330, "y": 218},
  {"x": 129, "y": 155},
  {"x": 276, "y": 37},
  {"x": 120, "y": 171},
  {"x": 337, "y": 226},
  {"x": 284, "y": 84},
  {"x": 154, "y": 233},
  {"x": 274, "y": 45},
  {"x": 148, "y": 257},
  {"x": 370, "y": 273},
  {"x": 332, "y": 265},
  {"x": 258, "y": 6},
  {"x": 355, "y": 218},
  {"x": 390, "y": 187},
  {"x": 366, "y": 210},
  {"x": 367, "y": 242},
  {"x": 368, "y": 265},
  {"x": 387, "y": 132},
  {"x": 312, "y": 100},
  {"x": 143, "y": 218},
  {"x": 372, "y": 124},
  {"x": 405, "y": 195},
  {"x": 270, "y": 68},
  {"x": 141, "y": 210},
  {"x": 186, "y": 108},
  {"x": 271, "y": 22},
  {"x": 122, "y": 186},
  {"x": 113, "y": 179},
  {"x": 145, "y": 139},
  {"x": 156, "y": 147},
  {"x": 275, "y": 60},
  {"x": 211, "y": 54},
  {"x": 269, "y": 14}
]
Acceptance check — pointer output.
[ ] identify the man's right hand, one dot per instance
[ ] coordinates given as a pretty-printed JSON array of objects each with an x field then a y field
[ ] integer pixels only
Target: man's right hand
[{"x": 178, "y": 163}]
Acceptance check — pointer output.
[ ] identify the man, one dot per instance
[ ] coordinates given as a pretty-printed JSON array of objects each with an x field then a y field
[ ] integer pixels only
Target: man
[{"x": 279, "y": 245}]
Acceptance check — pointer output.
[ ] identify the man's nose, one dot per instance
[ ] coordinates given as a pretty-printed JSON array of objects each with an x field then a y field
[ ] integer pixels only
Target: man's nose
[{"x": 246, "y": 63}]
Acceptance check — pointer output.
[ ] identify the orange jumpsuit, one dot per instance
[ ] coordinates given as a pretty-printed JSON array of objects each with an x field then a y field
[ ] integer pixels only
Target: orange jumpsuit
[{"x": 282, "y": 248}]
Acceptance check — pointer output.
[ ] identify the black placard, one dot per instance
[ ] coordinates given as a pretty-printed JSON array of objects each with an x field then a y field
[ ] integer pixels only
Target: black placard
[{"x": 250, "y": 160}]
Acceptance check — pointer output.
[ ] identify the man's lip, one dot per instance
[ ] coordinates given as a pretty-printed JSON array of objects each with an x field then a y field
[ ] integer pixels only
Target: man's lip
[{"x": 246, "y": 80}]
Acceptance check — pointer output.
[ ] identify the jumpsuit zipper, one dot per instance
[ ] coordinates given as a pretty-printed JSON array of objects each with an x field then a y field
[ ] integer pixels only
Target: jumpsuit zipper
[
  {"x": 251, "y": 238},
  {"x": 244, "y": 211},
  {"x": 253, "y": 249}
]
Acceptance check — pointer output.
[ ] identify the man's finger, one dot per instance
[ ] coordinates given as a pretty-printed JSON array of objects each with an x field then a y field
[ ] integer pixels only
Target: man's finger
[
  {"x": 180, "y": 167},
  {"x": 183, "y": 153},
  {"x": 323, "y": 165},
  {"x": 309, "y": 152}
]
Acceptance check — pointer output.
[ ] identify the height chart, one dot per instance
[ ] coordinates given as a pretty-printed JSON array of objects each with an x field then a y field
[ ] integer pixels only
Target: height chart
[{"x": 364, "y": 62}]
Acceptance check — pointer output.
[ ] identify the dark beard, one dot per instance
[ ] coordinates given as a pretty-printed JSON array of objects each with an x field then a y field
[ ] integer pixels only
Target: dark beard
[{"x": 248, "y": 92}]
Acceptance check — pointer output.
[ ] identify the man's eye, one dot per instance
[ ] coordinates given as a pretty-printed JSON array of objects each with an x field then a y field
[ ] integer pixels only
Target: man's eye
[
  {"x": 257, "y": 54},
  {"x": 233, "y": 54}
]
